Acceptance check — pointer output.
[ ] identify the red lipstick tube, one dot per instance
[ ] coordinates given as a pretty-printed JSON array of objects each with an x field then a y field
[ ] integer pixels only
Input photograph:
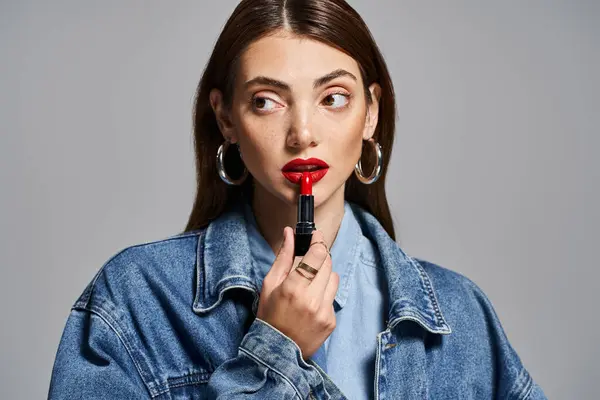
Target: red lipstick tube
[{"x": 306, "y": 216}]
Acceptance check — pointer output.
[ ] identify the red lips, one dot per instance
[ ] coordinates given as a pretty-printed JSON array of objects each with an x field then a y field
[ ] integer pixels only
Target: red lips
[{"x": 316, "y": 167}]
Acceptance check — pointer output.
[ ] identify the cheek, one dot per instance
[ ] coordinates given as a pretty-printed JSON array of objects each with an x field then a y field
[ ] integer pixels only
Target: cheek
[
  {"x": 346, "y": 143},
  {"x": 258, "y": 137}
]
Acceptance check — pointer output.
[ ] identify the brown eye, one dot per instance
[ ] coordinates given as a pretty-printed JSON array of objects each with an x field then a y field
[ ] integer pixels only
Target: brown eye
[
  {"x": 262, "y": 103},
  {"x": 336, "y": 100},
  {"x": 329, "y": 100},
  {"x": 259, "y": 102}
]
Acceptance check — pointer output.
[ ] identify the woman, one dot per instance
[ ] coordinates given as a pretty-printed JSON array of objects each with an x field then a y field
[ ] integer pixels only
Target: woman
[{"x": 225, "y": 309}]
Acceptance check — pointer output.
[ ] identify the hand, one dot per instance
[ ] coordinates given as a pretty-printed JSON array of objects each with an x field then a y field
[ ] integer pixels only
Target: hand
[{"x": 298, "y": 307}]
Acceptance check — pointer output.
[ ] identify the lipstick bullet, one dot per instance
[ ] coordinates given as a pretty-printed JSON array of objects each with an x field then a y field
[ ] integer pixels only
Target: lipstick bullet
[{"x": 306, "y": 216}]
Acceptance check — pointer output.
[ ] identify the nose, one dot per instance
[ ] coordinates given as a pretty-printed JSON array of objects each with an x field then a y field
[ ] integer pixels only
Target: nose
[{"x": 301, "y": 134}]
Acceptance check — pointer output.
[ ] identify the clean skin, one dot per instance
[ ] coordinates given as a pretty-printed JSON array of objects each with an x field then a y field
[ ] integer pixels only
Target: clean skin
[{"x": 296, "y": 97}]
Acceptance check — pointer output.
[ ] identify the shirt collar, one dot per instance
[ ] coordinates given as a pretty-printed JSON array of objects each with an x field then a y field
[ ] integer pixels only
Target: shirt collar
[
  {"x": 344, "y": 251},
  {"x": 224, "y": 262}
]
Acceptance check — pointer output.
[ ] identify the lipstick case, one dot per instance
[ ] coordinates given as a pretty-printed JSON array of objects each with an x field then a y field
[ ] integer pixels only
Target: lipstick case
[{"x": 305, "y": 225}]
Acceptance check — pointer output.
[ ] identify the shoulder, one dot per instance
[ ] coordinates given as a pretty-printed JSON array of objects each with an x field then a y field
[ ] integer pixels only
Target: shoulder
[
  {"x": 477, "y": 333},
  {"x": 446, "y": 279},
  {"x": 465, "y": 307},
  {"x": 143, "y": 269},
  {"x": 141, "y": 300},
  {"x": 461, "y": 299}
]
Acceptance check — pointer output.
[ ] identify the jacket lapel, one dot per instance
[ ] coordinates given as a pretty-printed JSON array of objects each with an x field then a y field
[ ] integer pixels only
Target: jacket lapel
[{"x": 224, "y": 262}]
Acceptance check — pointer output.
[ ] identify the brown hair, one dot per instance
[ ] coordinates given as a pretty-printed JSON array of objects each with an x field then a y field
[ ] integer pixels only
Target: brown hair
[{"x": 332, "y": 22}]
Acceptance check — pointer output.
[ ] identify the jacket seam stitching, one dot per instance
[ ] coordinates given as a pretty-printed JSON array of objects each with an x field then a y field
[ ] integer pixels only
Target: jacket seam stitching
[
  {"x": 352, "y": 260},
  {"x": 412, "y": 315},
  {"x": 179, "y": 385},
  {"x": 166, "y": 239},
  {"x": 200, "y": 278},
  {"x": 523, "y": 385},
  {"x": 431, "y": 292},
  {"x": 81, "y": 303},
  {"x": 105, "y": 316},
  {"x": 259, "y": 360},
  {"x": 369, "y": 262},
  {"x": 289, "y": 339},
  {"x": 90, "y": 291},
  {"x": 197, "y": 378}
]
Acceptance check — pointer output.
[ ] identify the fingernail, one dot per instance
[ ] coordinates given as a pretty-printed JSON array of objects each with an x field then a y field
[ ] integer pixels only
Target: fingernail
[
  {"x": 285, "y": 239},
  {"x": 282, "y": 243}
]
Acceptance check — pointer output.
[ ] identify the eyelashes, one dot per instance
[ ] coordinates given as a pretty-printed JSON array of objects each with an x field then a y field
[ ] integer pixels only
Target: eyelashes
[
  {"x": 259, "y": 104},
  {"x": 260, "y": 99},
  {"x": 346, "y": 96}
]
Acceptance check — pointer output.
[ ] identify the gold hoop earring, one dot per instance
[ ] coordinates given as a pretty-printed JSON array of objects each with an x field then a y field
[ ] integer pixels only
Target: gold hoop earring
[
  {"x": 378, "y": 165},
  {"x": 221, "y": 166}
]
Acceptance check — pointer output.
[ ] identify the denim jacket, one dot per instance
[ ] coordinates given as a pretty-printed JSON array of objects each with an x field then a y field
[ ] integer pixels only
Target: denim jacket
[{"x": 176, "y": 319}]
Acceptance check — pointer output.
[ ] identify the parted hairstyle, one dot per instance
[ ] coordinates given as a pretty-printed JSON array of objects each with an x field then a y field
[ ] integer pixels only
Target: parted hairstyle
[{"x": 333, "y": 22}]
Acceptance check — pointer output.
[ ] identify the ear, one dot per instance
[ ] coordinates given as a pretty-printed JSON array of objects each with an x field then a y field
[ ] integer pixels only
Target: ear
[
  {"x": 372, "y": 112},
  {"x": 222, "y": 115}
]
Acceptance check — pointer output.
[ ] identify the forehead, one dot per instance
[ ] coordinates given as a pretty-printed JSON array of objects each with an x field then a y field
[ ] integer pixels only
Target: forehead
[{"x": 289, "y": 58}]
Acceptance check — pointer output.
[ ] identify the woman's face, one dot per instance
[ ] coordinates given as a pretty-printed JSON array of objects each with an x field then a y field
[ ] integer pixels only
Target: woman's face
[{"x": 298, "y": 98}]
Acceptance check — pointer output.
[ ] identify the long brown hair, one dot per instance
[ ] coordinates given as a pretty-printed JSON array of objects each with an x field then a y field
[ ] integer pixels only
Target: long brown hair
[{"x": 332, "y": 22}]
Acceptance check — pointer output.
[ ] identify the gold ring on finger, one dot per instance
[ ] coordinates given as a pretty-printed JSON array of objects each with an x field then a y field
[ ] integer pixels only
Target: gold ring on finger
[
  {"x": 310, "y": 278},
  {"x": 307, "y": 268},
  {"x": 324, "y": 244}
]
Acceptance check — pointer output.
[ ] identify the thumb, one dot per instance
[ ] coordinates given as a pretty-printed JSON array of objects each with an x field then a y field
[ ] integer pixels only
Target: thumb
[{"x": 285, "y": 258}]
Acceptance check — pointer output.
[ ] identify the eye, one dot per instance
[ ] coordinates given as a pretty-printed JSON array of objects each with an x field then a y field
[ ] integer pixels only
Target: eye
[
  {"x": 263, "y": 103},
  {"x": 336, "y": 100}
]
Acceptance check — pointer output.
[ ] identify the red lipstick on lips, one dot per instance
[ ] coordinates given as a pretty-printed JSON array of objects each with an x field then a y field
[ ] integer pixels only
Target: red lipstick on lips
[
  {"x": 293, "y": 170},
  {"x": 306, "y": 215}
]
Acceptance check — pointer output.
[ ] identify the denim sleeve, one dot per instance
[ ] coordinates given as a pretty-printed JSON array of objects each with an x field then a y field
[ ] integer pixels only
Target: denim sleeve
[
  {"x": 93, "y": 363},
  {"x": 514, "y": 381},
  {"x": 269, "y": 365},
  {"x": 536, "y": 393}
]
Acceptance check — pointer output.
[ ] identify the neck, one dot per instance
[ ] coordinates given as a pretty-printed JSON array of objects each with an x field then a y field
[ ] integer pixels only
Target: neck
[{"x": 272, "y": 214}]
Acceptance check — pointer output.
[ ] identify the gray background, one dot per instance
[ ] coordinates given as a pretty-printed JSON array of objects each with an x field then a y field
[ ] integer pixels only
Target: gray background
[{"x": 493, "y": 173}]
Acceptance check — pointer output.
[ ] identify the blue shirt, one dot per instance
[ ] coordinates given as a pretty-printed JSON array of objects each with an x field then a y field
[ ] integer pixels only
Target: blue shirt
[
  {"x": 176, "y": 319},
  {"x": 359, "y": 303}
]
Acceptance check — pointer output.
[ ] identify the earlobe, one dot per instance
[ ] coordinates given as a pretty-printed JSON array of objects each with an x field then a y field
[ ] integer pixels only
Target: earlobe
[{"x": 221, "y": 115}]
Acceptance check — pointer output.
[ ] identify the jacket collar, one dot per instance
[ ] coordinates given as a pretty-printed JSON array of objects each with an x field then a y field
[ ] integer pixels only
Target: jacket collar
[{"x": 224, "y": 262}]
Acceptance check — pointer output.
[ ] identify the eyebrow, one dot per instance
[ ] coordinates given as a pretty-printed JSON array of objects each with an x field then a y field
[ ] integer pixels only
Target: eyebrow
[{"x": 264, "y": 80}]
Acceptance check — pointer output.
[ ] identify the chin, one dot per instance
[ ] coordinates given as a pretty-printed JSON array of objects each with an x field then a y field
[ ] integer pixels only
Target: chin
[
  {"x": 283, "y": 190},
  {"x": 288, "y": 192}
]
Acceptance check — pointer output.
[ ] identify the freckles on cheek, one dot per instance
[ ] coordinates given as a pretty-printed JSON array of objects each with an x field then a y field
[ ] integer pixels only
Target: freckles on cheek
[
  {"x": 262, "y": 144},
  {"x": 267, "y": 134}
]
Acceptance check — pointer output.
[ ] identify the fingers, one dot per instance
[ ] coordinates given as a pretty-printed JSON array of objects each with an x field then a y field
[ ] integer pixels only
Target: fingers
[
  {"x": 315, "y": 257},
  {"x": 319, "y": 283},
  {"x": 284, "y": 259}
]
